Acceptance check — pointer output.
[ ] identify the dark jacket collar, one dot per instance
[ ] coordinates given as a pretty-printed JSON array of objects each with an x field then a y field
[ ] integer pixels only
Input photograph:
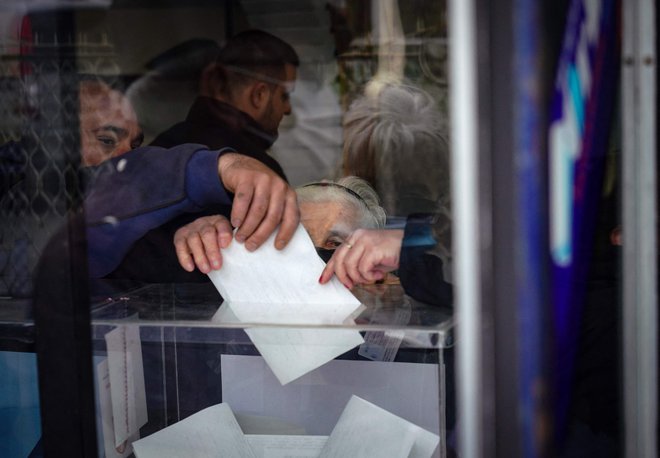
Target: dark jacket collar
[{"x": 209, "y": 111}]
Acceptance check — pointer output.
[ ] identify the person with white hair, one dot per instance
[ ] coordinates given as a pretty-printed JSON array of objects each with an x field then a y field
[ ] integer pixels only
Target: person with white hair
[
  {"x": 331, "y": 210},
  {"x": 395, "y": 138}
]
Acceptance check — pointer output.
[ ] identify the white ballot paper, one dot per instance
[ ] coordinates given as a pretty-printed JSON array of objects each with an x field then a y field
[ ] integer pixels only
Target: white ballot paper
[
  {"x": 363, "y": 431},
  {"x": 109, "y": 450},
  {"x": 129, "y": 402},
  {"x": 367, "y": 431},
  {"x": 281, "y": 287},
  {"x": 275, "y": 446},
  {"x": 212, "y": 432}
]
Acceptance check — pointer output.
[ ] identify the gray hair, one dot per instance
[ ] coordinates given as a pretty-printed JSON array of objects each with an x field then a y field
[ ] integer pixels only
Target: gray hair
[
  {"x": 396, "y": 139},
  {"x": 351, "y": 191}
]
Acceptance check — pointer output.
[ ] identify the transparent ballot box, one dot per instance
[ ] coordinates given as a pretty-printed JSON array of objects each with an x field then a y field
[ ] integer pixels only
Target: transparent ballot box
[{"x": 179, "y": 374}]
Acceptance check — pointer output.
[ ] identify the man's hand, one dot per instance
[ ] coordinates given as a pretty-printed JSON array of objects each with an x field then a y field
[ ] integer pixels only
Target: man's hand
[
  {"x": 365, "y": 257},
  {"x": 199, "y": 243},
  {"x": 262, "y": 201}
]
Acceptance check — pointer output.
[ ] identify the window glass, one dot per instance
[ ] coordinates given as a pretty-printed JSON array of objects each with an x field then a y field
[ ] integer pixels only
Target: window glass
[{"x": 130, "y": 133}]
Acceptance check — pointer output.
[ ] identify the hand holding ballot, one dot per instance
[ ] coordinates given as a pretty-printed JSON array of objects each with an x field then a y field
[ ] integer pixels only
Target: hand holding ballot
[
  {"x": 367, "y": 256},
  {"x": 199, "y": 243},
  {"x": 262, "y": 201}
]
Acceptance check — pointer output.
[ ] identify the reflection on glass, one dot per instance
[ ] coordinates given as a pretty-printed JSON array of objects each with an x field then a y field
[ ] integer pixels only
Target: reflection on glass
[{"x": 140, "y": 111}]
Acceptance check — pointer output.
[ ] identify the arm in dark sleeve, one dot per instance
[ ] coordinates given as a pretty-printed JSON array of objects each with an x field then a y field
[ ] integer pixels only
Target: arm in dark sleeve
[
  {"x": 142, "y": 190},
  {"x": 420, "y": 268}
]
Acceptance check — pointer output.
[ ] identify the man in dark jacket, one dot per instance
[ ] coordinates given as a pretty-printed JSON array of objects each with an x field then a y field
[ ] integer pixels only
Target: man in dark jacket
[{"x": 243, "y": 97}]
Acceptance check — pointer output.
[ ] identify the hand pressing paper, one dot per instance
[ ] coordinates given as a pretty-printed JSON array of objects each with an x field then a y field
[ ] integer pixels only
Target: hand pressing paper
[{"x": 281, "y": 287}]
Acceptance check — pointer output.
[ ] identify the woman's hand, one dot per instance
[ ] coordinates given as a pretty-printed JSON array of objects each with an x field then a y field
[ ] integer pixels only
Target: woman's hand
[{"x": 365, "y": 257}]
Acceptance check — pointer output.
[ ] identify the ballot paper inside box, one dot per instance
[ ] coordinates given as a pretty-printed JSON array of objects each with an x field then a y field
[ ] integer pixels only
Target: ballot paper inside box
[
  {"x": 363, "y": 430},
  {"x": 120, "y": 394}
]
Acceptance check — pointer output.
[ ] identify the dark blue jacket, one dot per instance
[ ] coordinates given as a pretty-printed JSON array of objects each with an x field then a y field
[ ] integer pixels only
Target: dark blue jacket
[
  {"x": 144, "y": 190},
  {"x": 216, "y": 125}
]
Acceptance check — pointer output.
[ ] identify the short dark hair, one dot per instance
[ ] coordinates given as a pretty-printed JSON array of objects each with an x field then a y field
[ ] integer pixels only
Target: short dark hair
[{"x": 254, "y": 53}]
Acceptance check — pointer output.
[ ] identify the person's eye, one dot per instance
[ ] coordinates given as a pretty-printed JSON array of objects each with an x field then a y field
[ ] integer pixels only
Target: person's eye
[
  {"x": 106, "y": 141},
  {"x": 332, "y": 244}
]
